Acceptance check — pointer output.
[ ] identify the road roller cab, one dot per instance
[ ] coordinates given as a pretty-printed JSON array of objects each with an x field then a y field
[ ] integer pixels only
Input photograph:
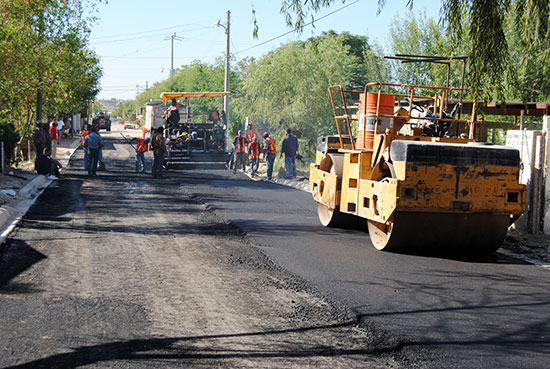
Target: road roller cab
[{"x": 416, "y": 175}]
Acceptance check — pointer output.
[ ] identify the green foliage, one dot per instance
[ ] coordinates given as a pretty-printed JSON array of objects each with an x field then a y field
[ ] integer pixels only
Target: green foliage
[
  {"x": 481, "y": 24},
  {"x": 288, "y": 87},
  {"x": 524, "y": 77},
  {"x": 195, "y": 77},
  {"x": 43, "y": 47},
  {"x": 420, "y": 35},
  {"x": 9, "y": 136}
]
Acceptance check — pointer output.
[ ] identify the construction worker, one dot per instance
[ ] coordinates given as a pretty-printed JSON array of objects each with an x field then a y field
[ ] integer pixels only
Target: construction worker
[
  {"x": 239, "y": 145},
  {"x": 250, "y": 133},
  {"x": 93, "y": 143},
  {"x": 270, "y": 152},
  {"x": 142, "y": 146},
  {"x": 254, "y": 155},
  {"x": 55, "y": 138},
  {"x": 159, "y": 150},
  {"x": 172, "y": 114},
  {"x": 86, "y": 152},
  {"x": 290, "y": 149}
]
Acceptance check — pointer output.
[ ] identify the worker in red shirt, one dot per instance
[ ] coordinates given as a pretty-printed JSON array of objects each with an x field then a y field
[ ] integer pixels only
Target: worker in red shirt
[{"x": 55, "y": 139}]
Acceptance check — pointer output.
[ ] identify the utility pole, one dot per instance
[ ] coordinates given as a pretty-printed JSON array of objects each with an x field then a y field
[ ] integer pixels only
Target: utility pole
[
  {"x": 226, "y": 77},
  {"x": 172, "y": 38},
  {"x": 226, "y": 81}
]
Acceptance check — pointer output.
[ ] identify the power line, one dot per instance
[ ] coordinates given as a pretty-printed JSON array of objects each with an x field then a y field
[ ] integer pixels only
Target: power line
[
  {"x": 292, "y": 31},
  {"x": 157, "y": 57},
  {"x": 155, "y": 30},
  {"x": 128, "y": 39},
  {"x": 140, "y": 38}
]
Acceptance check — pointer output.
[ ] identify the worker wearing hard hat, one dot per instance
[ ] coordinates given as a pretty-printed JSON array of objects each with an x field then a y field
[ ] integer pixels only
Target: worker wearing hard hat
[
  {"x": 239, "y": 145},
  {"x": 270, "y": 152}
]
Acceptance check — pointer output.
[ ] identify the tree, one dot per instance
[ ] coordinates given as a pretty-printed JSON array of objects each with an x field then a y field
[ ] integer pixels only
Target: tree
[
  {"x": 416, "y": 34},
  {"x": 196, "y": 76},
  {"x": 45, "y": 61},
  {"x": 481, "y": 22},
  {"x": 288, "y": 86}
]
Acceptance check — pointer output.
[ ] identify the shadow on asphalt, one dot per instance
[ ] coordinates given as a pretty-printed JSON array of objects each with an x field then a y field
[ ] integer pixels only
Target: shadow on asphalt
[
  {"x": 181, "y": 348},
  {"x": 208, "y": 350},
  {"x": 17, "y": 257}
]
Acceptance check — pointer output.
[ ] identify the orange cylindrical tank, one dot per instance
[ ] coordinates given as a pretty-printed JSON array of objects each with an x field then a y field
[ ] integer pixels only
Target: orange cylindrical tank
[{"x": 367, "y": 125}]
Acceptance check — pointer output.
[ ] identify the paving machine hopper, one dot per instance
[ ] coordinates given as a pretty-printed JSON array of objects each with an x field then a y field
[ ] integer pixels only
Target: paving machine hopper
[
  {"x": 414, "y": 172},
  {"x": 195, "y": 133}
]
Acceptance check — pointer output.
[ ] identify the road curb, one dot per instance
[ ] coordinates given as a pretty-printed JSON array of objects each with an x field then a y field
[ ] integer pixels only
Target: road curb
[
  {"x": 31, "y": 187},
  {"x": 28, "y": 194},
  {"x": 529, "y": 260},
  {"x": 299, "y": 185},
  {"x": 5, "y": 214}
]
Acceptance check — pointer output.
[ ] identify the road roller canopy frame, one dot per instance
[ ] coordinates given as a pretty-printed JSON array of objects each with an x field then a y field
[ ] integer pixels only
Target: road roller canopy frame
[
  {"x": 174, "y": 95},
  {"x": 408, "y": 99}
]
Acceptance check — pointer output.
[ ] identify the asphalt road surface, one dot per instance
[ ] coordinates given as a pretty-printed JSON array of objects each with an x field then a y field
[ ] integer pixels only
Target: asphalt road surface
[{"x": 207, "y": 268}]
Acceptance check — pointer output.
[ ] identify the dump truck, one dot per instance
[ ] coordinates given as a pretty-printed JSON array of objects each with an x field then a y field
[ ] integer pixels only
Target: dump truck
[
  {"x": 196, "y": 132},
  {"x": 414, "y": 173}
]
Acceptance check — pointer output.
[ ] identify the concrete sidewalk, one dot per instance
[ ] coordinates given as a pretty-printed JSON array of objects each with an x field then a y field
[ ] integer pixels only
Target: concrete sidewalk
[{"x": 31, "y": 189}]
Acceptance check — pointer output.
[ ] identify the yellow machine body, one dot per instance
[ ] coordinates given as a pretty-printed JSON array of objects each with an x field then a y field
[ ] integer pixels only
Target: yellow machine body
[{"x": 421, "y": 192}]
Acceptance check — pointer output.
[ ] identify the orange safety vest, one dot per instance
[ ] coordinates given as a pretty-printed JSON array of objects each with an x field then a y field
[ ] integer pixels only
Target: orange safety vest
[
  {"x": 53, "y": 132},
  {"x": 250, "y": 134},
  {"x": 240, "y": 144},
  {"x": 254, "y": 150},
  {"x": 271, "y": 143},
  {"x": 142, "y": 145},
  {"x": 84, "y": 134}
]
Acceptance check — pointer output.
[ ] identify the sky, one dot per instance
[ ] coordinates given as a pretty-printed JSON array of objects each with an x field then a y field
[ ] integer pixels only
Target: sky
[{"x": 132, "y": 38}]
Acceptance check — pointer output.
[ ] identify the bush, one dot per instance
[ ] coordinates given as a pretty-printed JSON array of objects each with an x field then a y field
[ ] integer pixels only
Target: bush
[{"x": 9, "y": 136}]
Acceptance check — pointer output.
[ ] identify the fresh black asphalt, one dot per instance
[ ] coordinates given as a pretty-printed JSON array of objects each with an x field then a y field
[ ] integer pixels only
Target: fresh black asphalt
[{"x": 443, "y": 311}]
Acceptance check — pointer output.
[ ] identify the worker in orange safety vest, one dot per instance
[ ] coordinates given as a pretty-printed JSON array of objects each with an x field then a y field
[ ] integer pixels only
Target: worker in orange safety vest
[
  {"x": 250, "y": 133},
  {"x": 254, "y": 155},
  {"x": 239, "y": 144},
  {"x": 270, "y": 152}
]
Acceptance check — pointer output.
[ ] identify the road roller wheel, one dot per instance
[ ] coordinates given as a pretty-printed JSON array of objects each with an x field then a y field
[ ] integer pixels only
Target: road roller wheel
[
  {"x": 334, "y": 218},
  {"x": 327, "y": 216},
  {"x": 458, "y": 233},
  {"x": 380, "y": 234}
]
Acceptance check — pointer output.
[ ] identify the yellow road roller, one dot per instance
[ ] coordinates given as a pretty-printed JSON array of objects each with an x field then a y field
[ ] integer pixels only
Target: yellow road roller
[{"x": 414, "y": 171}]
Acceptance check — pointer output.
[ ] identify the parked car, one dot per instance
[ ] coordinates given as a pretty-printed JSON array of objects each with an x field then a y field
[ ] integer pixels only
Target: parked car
[{"x": 129, "y": 125}]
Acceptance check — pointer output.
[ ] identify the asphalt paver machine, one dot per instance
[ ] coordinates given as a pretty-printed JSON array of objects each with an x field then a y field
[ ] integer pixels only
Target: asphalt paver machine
[{"x": 196, "y": 132}]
